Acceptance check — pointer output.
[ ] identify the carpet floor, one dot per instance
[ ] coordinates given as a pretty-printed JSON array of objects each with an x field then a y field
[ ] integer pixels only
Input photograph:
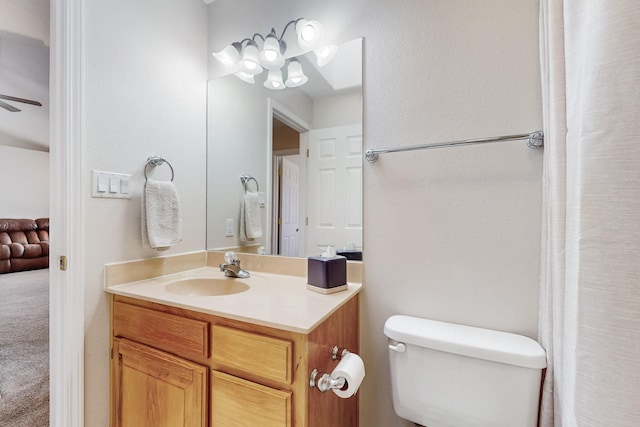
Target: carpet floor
[{"x": 24, "y": 349}]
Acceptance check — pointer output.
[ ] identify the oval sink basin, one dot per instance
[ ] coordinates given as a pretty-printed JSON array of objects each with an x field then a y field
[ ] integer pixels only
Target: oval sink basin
[{"x": 206, "y": 286}]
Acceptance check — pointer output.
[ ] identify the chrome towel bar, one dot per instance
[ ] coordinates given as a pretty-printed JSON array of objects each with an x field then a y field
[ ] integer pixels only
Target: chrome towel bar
[
  {"x": 155, "y": 161},
  {"x": 245, "y": 180},
  {"x": 534, "y": 140}
]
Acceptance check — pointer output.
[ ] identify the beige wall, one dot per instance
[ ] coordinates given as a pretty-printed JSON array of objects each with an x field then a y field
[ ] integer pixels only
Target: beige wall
[
  {"x": 145, "y": 93},
  {"x": 24, "y": 175},
  {"x": 450, "y": 234}
]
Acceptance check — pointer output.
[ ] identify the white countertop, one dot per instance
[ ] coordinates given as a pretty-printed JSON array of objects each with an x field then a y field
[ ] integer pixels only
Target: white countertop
[{"x": 272, "y": 300}]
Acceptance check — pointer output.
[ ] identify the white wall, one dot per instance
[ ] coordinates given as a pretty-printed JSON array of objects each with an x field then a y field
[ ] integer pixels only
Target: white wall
[
  {"x": 145, "y": 93},
  {"x": 450, "y": 234},
  {"x": 337, "y": 110},
  {"x": 25, "y": 178}
]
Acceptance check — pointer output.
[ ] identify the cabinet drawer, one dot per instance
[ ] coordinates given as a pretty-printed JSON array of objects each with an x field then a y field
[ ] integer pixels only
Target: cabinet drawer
[
  {"x": 241, "y": 403},
  {"x": 165, "y": 331},
  {"x": 268, "y": 357}
]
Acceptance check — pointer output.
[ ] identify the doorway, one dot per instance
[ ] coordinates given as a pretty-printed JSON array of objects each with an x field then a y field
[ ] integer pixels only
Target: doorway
[{"x": 285, "y": 146}]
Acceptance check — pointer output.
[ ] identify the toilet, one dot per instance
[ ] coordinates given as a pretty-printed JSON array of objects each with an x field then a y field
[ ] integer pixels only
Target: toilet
[{"x": 449, "y": 375}]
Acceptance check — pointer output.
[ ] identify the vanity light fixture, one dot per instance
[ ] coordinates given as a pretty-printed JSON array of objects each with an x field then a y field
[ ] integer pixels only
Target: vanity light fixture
[
  {"x": 249, "y": 78},
  {"x": 325, "y": 54},
  {"x": 230, "y": 55},
  {"x": 274, "y": 80},
  {"x": 272, "y": 57},
  {"x": 295, "y": 75},
  {"x": 250, "y": 63},
  {"x": 310, "y": 34},
  {"x": 251, "y": 56}
]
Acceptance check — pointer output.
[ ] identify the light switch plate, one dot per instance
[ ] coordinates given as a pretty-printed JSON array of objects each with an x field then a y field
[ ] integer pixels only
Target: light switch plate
[
  {"x": 228, "y": 227},
  {"x": 110, "y": 185}
]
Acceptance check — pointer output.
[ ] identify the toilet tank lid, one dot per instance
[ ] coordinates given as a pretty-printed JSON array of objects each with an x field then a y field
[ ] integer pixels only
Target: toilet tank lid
[{"x": 502, "y": 347}]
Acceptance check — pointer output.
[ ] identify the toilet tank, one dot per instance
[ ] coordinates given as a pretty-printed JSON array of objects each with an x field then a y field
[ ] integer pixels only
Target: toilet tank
[{"x": 449, "y": 375}]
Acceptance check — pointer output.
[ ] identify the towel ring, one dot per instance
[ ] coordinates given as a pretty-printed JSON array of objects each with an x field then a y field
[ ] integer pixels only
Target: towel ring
[
  {"x": 154, "y": 161},
  {"x": 247, "y": 178}
]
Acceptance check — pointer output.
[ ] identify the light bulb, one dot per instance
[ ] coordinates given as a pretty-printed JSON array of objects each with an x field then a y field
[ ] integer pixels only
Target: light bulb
[
  {"x": 249, "y": 64},
  {"x": 270, "y": 55},
  {"x": 308, "y": 33}
]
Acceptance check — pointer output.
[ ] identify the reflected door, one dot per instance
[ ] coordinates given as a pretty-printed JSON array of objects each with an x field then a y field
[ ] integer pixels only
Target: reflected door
[
  {"x": 289, "y": 207},
  {"x": 334, "y": 208}
]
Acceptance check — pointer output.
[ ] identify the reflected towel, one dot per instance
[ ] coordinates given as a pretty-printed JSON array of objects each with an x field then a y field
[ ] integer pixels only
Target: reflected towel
[
  {"x": 250, "y": 221},
  {"x": 160, "y": 215}
]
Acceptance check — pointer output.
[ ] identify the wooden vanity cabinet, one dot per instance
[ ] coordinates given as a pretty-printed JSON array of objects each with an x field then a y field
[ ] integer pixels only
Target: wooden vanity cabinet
[
  {"x": 154, "y": 388},
  {"x": 172, "y": 367}
]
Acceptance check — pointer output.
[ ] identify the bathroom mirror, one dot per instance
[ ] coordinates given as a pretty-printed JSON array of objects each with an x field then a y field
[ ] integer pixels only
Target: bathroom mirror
[{"x": 305, "y": 202}]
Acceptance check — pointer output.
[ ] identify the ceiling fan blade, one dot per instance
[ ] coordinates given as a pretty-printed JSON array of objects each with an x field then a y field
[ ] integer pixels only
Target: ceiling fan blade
[
  {"x": 9, "y": 107},
  {"x": 24, "y": 101}
]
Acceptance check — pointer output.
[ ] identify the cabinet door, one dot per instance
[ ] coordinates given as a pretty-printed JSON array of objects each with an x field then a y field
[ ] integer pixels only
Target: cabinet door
[
  {"x": 240, "y": 403},
  {"x": 156, "y": 389}
]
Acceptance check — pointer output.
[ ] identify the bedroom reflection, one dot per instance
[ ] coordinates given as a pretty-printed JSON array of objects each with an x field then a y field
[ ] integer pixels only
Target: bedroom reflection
[{"x": 305, "y": 203}]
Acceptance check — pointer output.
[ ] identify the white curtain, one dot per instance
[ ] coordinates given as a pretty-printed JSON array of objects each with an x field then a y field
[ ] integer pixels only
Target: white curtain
[{"x": 590, "y": 281}]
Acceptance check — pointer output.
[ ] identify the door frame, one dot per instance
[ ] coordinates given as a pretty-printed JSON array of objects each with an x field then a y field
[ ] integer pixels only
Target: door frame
[
  {"x": 66, "y": 291},
  {"x": 279, "y": 111}
]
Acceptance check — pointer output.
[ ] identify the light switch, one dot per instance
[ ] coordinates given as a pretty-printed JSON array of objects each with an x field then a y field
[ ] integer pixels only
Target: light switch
[
  {"x": 114, "y": 184},
  {"x": 228, "y": 227},
  {"x": 124, "y": 186},
  {"x": 102, "y": 184}
]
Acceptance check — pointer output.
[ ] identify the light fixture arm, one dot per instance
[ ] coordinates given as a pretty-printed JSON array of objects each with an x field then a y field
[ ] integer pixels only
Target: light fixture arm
[
  {"x": 257, "y": 35},
  {"x": 284, "y": 30},
  {"x": 272, "y": 32}
]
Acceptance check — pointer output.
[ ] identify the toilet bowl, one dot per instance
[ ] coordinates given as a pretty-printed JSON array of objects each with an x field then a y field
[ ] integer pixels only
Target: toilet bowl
[{"x": 449, "y": 375}]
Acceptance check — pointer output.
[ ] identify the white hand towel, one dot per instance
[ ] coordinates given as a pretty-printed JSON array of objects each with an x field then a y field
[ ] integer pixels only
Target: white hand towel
[
  {"x": 160, "y": 215},
  {"x": 250, "y": 221}
]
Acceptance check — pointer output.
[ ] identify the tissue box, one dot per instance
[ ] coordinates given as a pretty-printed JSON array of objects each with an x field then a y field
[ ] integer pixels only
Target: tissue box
[{"x": 327, "y": 275}]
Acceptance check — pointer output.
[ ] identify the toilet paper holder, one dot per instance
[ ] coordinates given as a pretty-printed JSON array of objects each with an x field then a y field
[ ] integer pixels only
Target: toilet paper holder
[
  {"x": 336, "y": 354},
  {"x": 326, "y": 382}
]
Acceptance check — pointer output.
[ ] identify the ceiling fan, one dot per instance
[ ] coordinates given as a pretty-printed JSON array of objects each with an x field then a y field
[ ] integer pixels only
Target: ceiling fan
[{"x": 13, "y": 109}]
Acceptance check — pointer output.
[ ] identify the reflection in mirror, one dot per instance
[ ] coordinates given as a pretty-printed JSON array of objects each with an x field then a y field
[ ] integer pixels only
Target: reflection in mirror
[{"x": 303, "y": 148}]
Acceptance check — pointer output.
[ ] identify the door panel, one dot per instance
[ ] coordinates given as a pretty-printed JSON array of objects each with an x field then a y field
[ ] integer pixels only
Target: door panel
[
  {"x": 156, "y": 389},
  {"x": 334, "y": 207}
]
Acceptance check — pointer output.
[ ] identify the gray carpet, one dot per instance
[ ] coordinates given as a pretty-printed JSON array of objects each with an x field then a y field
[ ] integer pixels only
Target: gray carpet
[{"x": 24, "y": 349}]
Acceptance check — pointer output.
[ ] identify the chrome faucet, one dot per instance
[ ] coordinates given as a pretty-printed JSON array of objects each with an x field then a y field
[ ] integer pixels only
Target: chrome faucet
[{"x": 232, "y": 267}]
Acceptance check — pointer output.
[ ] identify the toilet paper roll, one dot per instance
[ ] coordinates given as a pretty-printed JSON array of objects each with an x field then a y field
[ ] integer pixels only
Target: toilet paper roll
[{"x": 351, "y": 368}]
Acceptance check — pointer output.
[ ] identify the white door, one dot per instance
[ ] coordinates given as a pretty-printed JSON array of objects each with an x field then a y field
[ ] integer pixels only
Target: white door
[
  {"x": 289, "y": 195},
  {"x": 334, "y": 208}
]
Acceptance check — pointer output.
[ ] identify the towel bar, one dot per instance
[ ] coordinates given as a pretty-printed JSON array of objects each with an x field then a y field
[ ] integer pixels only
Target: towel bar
[
  {"x": 154, "y": 161},
  {"x": 534, "y": 140},
  {"x": 246, "y": 178}
]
